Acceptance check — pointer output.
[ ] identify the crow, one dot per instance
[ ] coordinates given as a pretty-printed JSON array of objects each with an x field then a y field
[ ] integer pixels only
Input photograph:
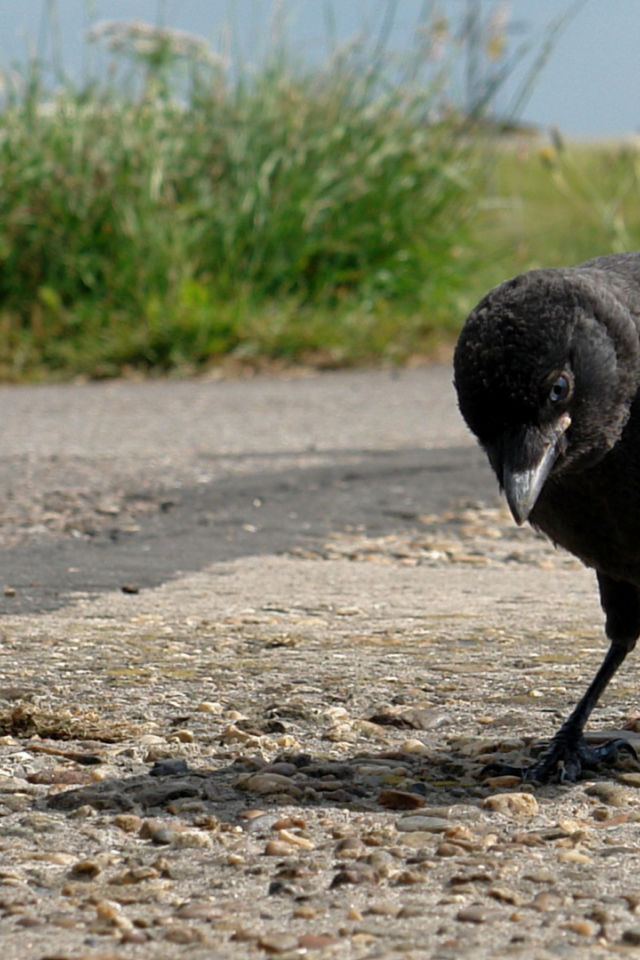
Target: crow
[{"x": 547, "y": 372}]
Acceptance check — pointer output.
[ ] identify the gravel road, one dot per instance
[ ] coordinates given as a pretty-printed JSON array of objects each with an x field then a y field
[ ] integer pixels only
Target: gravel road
[{"x": 259, "y": 638}]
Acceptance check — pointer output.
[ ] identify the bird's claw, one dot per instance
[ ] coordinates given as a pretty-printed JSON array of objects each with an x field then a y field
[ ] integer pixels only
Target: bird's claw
[{"x": 563, "y": 761}]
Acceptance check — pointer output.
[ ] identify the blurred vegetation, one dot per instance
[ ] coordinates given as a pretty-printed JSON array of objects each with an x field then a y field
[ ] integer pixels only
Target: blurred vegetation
[{"x": 339, "y": 214}]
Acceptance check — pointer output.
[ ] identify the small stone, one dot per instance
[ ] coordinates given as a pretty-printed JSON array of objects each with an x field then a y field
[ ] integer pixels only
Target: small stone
[
  {"x": 630, "y": 779},
  {"x": 288, "y": 742},
  {"x": 632, "y": 936},
  {"x": 516, "y": 804},
  {"x": 211, "y": 706},
  {"x": 528, "y": 839},
  {"x": 266, "y": 783},
  {"x": 128, "y": 822},
  {"x": 409, "y": 878},
  {"x": 278, "y": 942},
  {"x": 169, "y": 767},
  {"x": 416, "y": 747},
  {"x": 304, "y": 911},
  {"x": 478, "y": 913},
  {"x": 296, "y": 840},
  {"x": 108, "y": 911},
  {"x": 9, "y": 591},
  {"x": 507, "y": 780},
  {"x": 282, "y": 767},
  {"x": 86, "y": 868},
  {"x": 183, "y": 736},
  {"x": 277, "y": 848},
  {"x": 136, "y": 875},
  {"x": 585, "y": 928},
  {"x": 423, "y": 824},
  {"x": 157, "y": 831},
  {"x": 350, "y": 848},
  {"x": 573, "y": 856},
  {"x": 316, "y": 941},
  {"x": 357, "y": 873},
  {"x": 400, "y": 800},
  {"x": 243, "y": 934},
  {"x": 200, "y": 910},
  {"x": 286, "y": 823},
  {"x": 447, "y": 850},
  {"x": 611, "y": 793},
  {"x": 506, "y": 895},
  {"x": 384, "y": 908},
  {"x": 184, "y": 935},
  {"x": 546, "y": 902}
]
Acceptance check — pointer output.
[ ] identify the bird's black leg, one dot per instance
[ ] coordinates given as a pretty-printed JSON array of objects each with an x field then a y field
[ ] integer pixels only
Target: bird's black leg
[{"x": 568, "y": 754}]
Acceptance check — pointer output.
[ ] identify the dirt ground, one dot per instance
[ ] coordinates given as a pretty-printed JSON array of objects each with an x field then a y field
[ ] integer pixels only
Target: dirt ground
[{"x": 277, "y": 753}]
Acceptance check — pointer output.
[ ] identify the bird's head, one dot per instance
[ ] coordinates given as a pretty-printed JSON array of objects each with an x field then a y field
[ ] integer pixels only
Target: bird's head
[{"x": 546, "y": 368}]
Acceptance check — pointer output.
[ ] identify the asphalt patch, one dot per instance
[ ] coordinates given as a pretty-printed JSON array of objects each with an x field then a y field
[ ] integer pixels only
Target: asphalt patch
[{"x": 246, "y": 515}]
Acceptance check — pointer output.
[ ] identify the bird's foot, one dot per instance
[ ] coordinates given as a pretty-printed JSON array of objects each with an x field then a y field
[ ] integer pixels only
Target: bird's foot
[{"x": 564, "y": 760}]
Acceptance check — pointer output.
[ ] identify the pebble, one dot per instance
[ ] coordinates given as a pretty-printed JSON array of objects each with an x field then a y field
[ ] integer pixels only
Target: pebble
[
  {"x": 184, "y": 935},
  {"x": 304, "y": 911},
  {"x": 183, "y": 736},
  {"x": 316, "y": 941},
  {"x": 423, "y": 824},
  {"x": 277, "y": 848},
  {"x": 286, "y": 823},
  {"x": 191, "y": 839},
  {"x": 157, "y": 831},
  {"x": 516, "y": 804},
  {"x": 282, "y": 768},
  {"x": 506, "y": 895},
  {"x": 408, "y": 878},
  {"x": 86, "y": 868},
  {"x": 128, "y": 822},
  {"x": 507, "y": 780},
  {"x": 400, "y": 800},
  {"x": 350, "y": 849},
  {"x": 278, "y": 942},
  {"x": 611, "y": 793},
  {"x": 384, "y": 908},
  {"x": 631, "y": 779},
  {"x": 266, "y": 783},
  {"x": 260, "y": 824},
  {"x": 632, "y": 936},
  {"x": 573, "y": 856},
  {"x": 357, "y": 873},
  {"x": 447, "y": 850},
  {"x": 296, "y": 840},
  {"x": 585, "y": 928},
  {"x": 169, "y": 767},
  {"x": 546, "y": 902},
  {"x": 211, "y": 706},
  {"x": 478, "y": 913},
  {"x": 414, "y": 746}
]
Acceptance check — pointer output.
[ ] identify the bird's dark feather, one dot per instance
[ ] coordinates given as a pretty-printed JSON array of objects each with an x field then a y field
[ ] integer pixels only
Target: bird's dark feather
[{"x": 581, "y": 323}]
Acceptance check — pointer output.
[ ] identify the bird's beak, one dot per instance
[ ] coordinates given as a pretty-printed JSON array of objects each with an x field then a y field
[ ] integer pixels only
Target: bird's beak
[{"x": 529, "y": 456}]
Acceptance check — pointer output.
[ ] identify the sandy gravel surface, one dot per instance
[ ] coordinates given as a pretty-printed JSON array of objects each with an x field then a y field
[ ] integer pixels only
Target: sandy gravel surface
[{"x": 279, "y": 754}]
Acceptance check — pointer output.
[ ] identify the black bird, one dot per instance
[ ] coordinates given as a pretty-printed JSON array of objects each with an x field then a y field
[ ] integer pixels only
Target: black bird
[{"x": 547, "y": 370}]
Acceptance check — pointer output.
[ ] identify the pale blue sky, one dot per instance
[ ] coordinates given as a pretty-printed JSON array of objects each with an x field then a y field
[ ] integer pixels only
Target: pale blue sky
[{"x": 589, "y": 87}]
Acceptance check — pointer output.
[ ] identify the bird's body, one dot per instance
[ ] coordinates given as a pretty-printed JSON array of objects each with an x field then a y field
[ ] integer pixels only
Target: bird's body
[
  {"x": 580, "y": 514},
  {"x": 547, "y": 370}
]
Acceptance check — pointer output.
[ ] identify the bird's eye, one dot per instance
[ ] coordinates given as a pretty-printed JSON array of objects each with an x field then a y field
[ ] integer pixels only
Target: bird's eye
[{"x": 561, "y": 389}]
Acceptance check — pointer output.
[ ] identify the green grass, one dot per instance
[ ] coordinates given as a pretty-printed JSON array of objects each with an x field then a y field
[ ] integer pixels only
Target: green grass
[
  {"x": 335, "y": 216},
  {"x": 289, "y": 215},
  {"x": 557, "y": 205}
]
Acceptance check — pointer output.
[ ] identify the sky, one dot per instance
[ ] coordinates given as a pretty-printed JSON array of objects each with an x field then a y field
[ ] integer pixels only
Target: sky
[{"x": 588, "y": 88}]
